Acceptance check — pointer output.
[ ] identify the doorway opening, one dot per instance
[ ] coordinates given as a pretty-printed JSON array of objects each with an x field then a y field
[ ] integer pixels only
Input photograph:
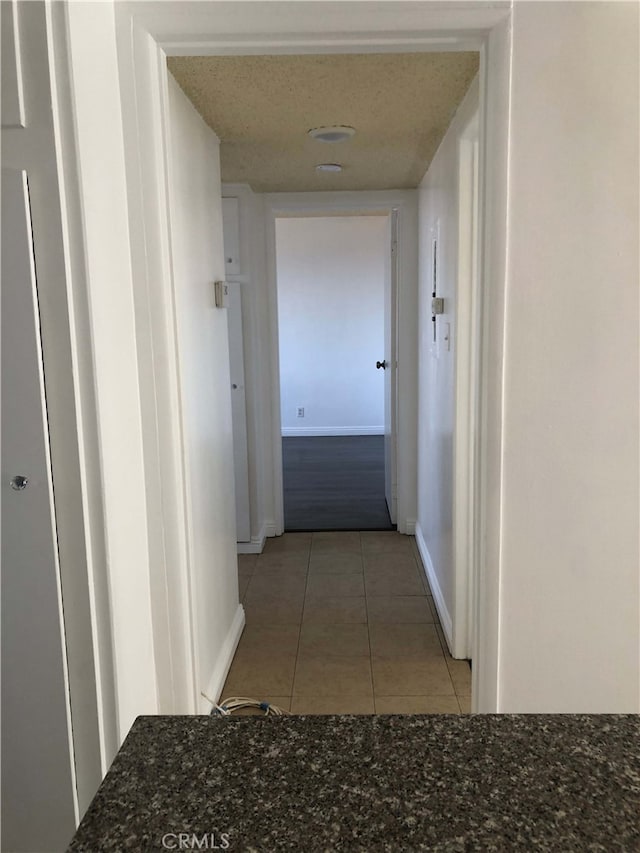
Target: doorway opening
[{"x": 334, "y": 292}]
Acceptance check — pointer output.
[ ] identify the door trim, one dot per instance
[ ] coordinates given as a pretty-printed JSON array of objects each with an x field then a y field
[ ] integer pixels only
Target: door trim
[
  {"x": 348, "y": 203},
  {"x": 228, "y": 29}
]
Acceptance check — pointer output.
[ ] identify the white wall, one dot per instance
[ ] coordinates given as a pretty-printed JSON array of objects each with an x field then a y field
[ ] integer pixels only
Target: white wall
[
  {"x": 331, "y": 323},
  {"x": 437, "y": 432},
  {"x": 196, "y": 220},
  {"x": 569, "y": 594}
]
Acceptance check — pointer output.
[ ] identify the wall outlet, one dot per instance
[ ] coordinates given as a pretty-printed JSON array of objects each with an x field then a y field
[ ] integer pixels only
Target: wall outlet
[{"x": 300, "y": 412}]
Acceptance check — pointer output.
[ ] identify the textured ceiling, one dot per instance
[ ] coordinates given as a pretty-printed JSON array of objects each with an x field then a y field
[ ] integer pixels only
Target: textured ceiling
[{"x": 261, "y": 108}]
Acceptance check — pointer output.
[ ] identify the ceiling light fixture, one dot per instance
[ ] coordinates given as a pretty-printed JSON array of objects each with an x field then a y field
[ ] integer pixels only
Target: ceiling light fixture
[
  {"x": 338, "y": 133},
  {"x": 328, "y": 167}
]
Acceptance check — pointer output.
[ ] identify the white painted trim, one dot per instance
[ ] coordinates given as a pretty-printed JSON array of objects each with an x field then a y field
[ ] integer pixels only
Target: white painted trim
[
  {"x": 360, "y": 202},
  {"x": 334, "y": 430},
  {"x": 438, "y": 596},
  {"x": 223, "y": 662},
  {"x": 494, "y": 114},
  {"x": 295, "y": 27},
  {"x": 274, "y": 362},
  {"x": 147, "y": 137},
  {"x": 466, "y": 382},
  {"x": 255, "y": 544},
  {"x": 410, "y": 527},
  {"x": 271, "y": 529},
  {"x": 113, "y": 353}
]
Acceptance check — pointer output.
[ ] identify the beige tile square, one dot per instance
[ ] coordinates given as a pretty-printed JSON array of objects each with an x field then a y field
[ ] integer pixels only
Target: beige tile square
[
  {"x": 273, "y": 612},
  {"x": 282, "y": 702},
  {"x": 247, "y": 564},
  {"x": 407, "y": 642},
  {"x": 332, "y": 705},
  {"x": 460, "y": 673},
  {"x": 346, "y": 640},
  {"x": 411, "y": 678},
  {"x": 376, "y": 541},
  {"x": 417, "y": 705},
  {"x": 336, "y": 676},
  {"x": 335, "y": 542},
  {"x": 465, "y": 704},
  {"x": 266, "y": 641},
  {"x": 401, "y": 580},
  {"x": 335, "y": 564},
  {"x": 252, "y": 677},
  {"x": 291, "y": 563},
  {"x": 389, "y": 562},
  {"x": 321, "y": 586},
  {"x": 287, "y": 543},
  {"x": 335, "y": 610},
  {"x": 398, "y": 608},
  {"x": 275, "y": 585}
]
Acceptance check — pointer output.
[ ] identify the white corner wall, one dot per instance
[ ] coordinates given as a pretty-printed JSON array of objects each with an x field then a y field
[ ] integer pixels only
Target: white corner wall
[
  {"x": 331, "y": 273},
  {"x": 438, "y": 214},
  {"x": 198, "y": 258},
  {"x": 569, "y": 636}
]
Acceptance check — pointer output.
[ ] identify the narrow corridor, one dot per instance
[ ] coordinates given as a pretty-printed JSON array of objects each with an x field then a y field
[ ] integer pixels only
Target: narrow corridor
[{"x": 344, "y": 623}]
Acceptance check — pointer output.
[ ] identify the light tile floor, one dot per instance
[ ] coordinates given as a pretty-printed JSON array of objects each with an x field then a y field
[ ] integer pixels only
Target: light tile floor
[{"x": 344, "y": 623}]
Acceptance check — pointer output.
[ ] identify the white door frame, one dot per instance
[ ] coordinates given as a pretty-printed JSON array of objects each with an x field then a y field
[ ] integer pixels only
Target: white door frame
[
  {"x": 156, "y": 29},
  {"x": 329, "y": 204},
  {"x": 467, "y": 390}
]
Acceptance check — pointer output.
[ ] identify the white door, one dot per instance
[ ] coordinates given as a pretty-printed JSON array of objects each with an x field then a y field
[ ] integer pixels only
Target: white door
[
  {"x": 238, "y": 412},
  {"x": 391, "y": 369},
  {"x": 37, "y": 780}
]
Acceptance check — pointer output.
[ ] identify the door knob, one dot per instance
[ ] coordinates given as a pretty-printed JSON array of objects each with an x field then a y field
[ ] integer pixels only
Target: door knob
[
  {"x": 19, "y": 482},
  {"x": 381, "y": 364}
]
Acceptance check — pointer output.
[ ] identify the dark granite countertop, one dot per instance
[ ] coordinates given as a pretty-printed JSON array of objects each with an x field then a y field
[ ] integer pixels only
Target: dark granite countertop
[{"x": 443, "y": 783}]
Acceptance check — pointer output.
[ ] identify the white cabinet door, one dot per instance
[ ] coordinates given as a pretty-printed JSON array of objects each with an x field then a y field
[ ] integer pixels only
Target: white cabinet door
[
  {"x": 239, "y": 413},
  {"x": 37, "y": 781}
]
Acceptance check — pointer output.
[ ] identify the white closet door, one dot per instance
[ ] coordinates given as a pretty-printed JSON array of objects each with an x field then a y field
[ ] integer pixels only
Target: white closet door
[
  {"x": 37, "y": 779},
  {"x": 239, "y": 412}
]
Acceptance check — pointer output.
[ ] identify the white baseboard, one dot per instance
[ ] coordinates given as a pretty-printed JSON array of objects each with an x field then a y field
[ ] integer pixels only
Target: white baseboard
[
  {"x": 356, "y": 430},
  {"x": 256, "y": 543},
  {"x": 438, "y": 597},
  {"x": 223, "y": 663},
  {"x": 410, "y": 527}
]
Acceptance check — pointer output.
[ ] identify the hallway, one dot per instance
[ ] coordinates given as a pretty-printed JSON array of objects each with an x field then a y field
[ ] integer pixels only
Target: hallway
[{"x": 344, "y": 623}]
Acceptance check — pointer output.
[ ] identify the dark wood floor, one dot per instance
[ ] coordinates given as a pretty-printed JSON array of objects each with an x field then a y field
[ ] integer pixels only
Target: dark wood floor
[{"x": 334, "y": 483}]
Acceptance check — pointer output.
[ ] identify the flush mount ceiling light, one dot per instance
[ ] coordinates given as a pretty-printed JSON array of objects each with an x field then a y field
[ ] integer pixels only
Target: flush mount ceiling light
[
  {"x": 328, "y": 167},
  {"x": 332, "y": 134}
]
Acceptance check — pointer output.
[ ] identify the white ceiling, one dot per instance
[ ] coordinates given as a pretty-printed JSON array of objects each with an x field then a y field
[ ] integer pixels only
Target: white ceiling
[{"x": 261, "y": 108}]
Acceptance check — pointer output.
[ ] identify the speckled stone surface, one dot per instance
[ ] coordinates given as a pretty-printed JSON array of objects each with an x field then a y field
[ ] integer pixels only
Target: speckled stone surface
[{"x": 442, "y": 783}]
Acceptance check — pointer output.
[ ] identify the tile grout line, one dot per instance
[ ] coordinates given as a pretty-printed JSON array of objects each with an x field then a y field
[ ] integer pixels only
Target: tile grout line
[
  {"x": 366, "y": 607},
  {"x": 304, "y": 604}
]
